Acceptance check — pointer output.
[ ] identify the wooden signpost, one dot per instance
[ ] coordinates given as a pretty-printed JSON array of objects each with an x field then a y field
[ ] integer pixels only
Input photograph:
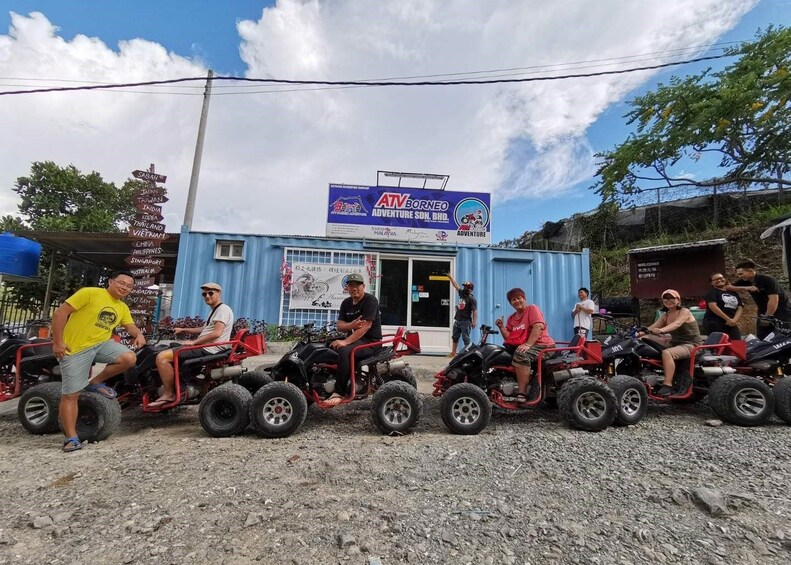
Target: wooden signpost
[{"x": 147, "y": 234}]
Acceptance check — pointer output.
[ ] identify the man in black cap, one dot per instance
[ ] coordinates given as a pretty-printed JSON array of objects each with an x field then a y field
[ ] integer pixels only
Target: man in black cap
[
  {"x": 466, "y": 314},
  {"x": 359, "y": 314}
]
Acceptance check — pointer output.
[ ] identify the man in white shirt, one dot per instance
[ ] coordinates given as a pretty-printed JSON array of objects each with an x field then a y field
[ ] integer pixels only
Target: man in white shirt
[{"x": 583, "y": 313}]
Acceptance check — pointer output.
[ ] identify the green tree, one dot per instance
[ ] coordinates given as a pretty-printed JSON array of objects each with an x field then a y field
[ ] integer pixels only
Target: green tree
[
  {"x": 740, "y": 114},
  {"x": 54, "y": 198}
]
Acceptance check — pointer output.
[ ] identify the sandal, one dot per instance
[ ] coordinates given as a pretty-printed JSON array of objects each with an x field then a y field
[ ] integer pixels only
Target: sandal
[
  {"x": 160, "y": 402},
  {"x": 334, "y": 400},
  {"x": 72, "y": 444},
  {"x": 103, "y": 389},
  {"x": 521, "y": 398}
]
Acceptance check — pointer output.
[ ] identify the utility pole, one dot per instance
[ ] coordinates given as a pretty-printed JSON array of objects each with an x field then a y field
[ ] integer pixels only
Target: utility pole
[{"x": 190, "y": 209}]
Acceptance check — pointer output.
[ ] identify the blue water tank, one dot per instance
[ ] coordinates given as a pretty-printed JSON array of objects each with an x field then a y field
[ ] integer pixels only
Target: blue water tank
[{"x": 18, "y": 256}]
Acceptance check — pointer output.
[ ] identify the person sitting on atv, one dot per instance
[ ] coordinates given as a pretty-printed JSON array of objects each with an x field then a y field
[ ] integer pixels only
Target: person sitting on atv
[
  {"x": 359, "y": 314},
  {"x": 684, "y": 336},
  {"x": 218, "y": 328},
  {"x": 525, "y": 335}
]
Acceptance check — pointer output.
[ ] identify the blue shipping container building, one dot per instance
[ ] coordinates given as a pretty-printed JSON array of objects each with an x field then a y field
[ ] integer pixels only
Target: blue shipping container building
[{"x": 288, "y": 280}]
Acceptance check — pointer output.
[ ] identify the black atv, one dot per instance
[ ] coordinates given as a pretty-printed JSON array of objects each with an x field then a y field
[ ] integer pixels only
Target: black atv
[{"x": 307, "y": 375}]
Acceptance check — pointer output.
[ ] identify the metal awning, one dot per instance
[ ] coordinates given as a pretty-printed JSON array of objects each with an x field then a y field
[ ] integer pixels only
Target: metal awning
[
  {"x": 679, "y": 246},
  {"x": 104, "y": 249}
]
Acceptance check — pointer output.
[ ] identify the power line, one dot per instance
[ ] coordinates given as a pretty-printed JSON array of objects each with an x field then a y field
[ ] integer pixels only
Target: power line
[{"x": 365, "y": 83}]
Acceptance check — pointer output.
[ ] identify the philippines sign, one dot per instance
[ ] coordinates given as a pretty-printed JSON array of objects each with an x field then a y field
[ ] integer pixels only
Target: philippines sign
[
  {"x": 147, "y": 175},
  {"x": 408, "y": 214}
]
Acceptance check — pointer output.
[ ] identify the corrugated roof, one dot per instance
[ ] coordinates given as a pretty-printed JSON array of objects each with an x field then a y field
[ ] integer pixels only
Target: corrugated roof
[{"x": 679, "y": 246}]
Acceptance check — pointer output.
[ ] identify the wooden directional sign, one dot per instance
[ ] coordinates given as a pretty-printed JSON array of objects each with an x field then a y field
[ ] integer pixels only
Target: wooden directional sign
[
  {"x": 135, "y": 261},
  {"x": 154, "y": 191},
  {"x": 141, "y": 301},
  {"x": 146, "y": 252},
  {"x": 140, "y": 311},
  {"x": 139, "y": 233},
  {"x": 149, "y": 217},
  {"x": 137, "y": 291},
  {"x": 149, "y": 208},
  {"x": 142, "y": 244},
  {"x": 151, "y": 200},
  {"x": 150, "y": 226},
  {"x": 140, "y": 271},
  {"x": 146, "y": 175},
  {"x": 143, "y": 283}
]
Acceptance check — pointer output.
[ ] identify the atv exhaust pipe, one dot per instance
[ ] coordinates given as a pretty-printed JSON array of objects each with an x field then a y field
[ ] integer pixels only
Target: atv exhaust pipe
[
  {"x": 226, "y": 372},
  {"x": 717, "y": 371},
  {"x": 565, "y": 374},
  {"x": 389, "y": 366}
]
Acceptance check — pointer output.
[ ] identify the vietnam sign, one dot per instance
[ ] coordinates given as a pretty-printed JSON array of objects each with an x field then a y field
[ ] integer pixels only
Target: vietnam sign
[
  {"x": 408, "y": 214},
  {"x": 139, "y": 233},
  {"x": 147, "y": 175}
]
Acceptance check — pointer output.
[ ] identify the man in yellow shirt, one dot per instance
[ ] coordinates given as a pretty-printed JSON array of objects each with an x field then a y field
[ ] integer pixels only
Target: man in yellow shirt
[{"x": 81, "y": 330}]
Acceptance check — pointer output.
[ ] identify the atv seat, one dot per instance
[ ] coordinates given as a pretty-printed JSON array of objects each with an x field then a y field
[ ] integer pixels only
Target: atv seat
[
  {"x": 386, "y": 354},
  {"x": 567, "y": 355},
  {"x": 203, "y": 359}
]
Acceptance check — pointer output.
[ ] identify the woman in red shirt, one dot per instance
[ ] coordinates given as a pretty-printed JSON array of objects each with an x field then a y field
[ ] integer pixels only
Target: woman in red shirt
[{"x": 525, "y": 335}]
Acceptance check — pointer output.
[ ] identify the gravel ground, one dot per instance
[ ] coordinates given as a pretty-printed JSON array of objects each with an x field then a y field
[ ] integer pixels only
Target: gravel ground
[{"x": 527, "y": 490}]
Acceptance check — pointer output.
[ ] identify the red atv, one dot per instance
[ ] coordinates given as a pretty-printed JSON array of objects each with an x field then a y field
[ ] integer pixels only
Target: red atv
[
  {"x": 482, "y": 375},
  {"x": 25, "y": 361},
  {"x": 206, "y": 380},
  {"x": 307, "y": 375}
]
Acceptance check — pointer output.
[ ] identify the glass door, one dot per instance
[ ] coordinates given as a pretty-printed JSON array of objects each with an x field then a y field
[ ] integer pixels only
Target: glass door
[
  {"x": 430, "y": 293},
  {"x": 393, "y": 291}
]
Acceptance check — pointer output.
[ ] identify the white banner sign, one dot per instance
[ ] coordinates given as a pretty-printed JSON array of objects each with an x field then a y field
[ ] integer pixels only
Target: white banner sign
[{"x": 320, "y": 285}]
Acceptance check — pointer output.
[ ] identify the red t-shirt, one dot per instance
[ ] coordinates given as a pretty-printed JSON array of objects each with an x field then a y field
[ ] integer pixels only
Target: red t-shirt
[{"x": 519, "y": 326}]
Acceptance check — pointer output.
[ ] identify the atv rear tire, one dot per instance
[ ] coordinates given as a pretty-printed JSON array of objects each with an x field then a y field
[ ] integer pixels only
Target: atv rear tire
[
  {"x": 278, "y": 409},
  {"x": 631, "y": 399},
  {"x": 741, "y": 400},
  {"x": 396, "y": 407},
  {"x": 587, "y": 403},
  {"x": 465, "y": 409},
  {"x": 98, "y": 416},
  {"x": 782, "y": 392},
  {"x": 406, "y": 375},
  {"x": 38, "y": 408},
  {"x": 255, "y": 379},
  {"x": 225, "y": 410}
]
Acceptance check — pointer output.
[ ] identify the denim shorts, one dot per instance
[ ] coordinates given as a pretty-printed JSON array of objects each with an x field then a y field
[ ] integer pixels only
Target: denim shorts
[{"x": 76, "y": 368}]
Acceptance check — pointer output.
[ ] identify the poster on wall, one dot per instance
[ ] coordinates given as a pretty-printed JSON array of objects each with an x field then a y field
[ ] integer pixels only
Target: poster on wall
[
  {"x": 408, "y": 214},
  {"x": 320, "y": 285}
]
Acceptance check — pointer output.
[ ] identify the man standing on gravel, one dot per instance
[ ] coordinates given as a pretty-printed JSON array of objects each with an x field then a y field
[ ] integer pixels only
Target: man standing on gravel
[
  {"x": 769, "y": 297},
  {"x": 81, "y": 332},
  {"x": 466, "y": 314}
]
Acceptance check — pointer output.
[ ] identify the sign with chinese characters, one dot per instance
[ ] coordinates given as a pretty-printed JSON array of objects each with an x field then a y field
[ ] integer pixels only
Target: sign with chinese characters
[
  {"x": 408, "y": 214},
  {"x": 321, "y": 285},
  {"x": 647, "y": 269}
]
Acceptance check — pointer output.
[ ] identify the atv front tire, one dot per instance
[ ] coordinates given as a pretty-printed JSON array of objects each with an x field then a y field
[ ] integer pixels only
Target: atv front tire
[
  {"x": 38, "y": 408},
  {"x": 465, "y": 409},
  {"x": 742, "y": 400},
  {"x": 587, "y": 403},
  {"x": 278, "y": 409},
  {"x": 225, "y": 410},
  {"x": 631, "y": 399},
  {"x": 396, "y": 407}
]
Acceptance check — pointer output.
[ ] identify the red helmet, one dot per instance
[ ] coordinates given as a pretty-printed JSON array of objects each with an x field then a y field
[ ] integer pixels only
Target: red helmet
[{"x": 468, "y": 284}]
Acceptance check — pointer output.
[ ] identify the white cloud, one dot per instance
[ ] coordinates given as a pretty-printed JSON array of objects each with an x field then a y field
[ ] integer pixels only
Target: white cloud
[{"x": 269, "y": 157}]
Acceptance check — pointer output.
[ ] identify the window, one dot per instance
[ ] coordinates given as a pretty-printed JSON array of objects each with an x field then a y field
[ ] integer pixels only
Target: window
[{"x": 229, "y": 250}]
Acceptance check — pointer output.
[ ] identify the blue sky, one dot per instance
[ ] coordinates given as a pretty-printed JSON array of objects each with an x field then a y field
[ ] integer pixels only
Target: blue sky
[{"x": 288, "y": 43}]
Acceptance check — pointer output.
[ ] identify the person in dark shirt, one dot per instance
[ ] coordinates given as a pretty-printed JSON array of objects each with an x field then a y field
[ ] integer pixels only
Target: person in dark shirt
[
  {"x": 466, "y": 317},
  {"x": 770, "y": 299},
  {"x": 723, "y": 308},
  {"x": 359, "y": 314}
]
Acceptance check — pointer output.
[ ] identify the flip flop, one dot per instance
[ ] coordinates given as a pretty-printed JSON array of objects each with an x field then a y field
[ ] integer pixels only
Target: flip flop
[
  {"x": 334, "y": 400},
  {"x": 103, "y": 389},
  {"x": 72, "y": 444},
  {"x": 159, "y": 402}
]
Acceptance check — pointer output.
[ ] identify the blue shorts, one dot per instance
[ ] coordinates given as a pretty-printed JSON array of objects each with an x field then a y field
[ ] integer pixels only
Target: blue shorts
[
  {"x": 461, "y": 329},
  {"x": 76, "y": 368}
]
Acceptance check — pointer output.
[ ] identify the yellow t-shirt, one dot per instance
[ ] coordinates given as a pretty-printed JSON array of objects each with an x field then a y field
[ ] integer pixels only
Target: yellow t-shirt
[{"x": 95, "y": 317}]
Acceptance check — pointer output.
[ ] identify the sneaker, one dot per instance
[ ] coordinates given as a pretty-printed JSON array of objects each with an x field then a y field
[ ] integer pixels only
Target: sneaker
[{"x": 665, "y": 390}]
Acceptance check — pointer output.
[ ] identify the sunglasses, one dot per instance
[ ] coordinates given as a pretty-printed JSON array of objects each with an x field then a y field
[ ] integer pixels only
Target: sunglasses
[
  {"x": 668, "y": 298},
  {"x": 206, "y": 293}
]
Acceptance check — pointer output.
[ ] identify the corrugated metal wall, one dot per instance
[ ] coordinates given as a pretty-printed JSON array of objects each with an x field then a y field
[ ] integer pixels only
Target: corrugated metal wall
[{"x": 252, "y": 287}]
